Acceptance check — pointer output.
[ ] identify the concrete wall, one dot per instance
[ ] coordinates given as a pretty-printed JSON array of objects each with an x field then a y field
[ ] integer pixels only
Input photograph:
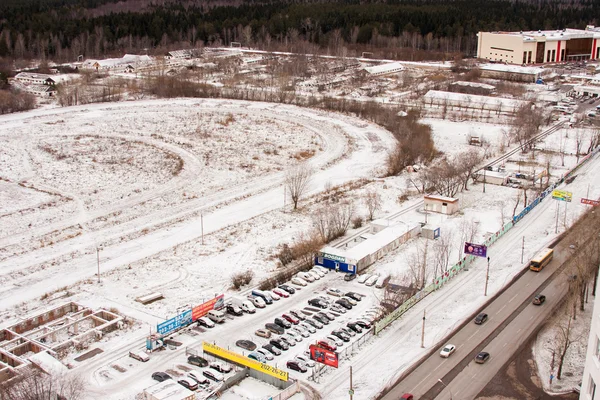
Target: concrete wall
[{"x": 500, "y": 47}]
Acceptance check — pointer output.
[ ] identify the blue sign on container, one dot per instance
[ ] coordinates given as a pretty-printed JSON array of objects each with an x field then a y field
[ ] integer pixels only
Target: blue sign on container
[
  {"x": 170, "y": 325},
  {"x": 473, "y": 249}
]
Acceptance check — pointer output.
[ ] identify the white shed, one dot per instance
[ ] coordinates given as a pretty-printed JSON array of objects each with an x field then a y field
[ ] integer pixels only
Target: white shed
[{"x": 440, "y": 204}]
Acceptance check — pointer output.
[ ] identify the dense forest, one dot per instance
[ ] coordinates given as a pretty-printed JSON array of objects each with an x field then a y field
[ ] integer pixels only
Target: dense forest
[{"x": 64, "y": 29}]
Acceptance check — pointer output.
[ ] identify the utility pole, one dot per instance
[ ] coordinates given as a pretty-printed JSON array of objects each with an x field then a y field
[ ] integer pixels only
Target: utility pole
[
  {"x": 557, "y": 211},
  {"x": 351, "y": 391},
  {"x": 423, "y": 331},
  {"x": 284, "y": 196},
  {"x": 522, "y": 249},
  {"x": 98, "y": 262},
  {"x": 484, "y": 179},
  {"x": 487, "y": 276},
  {"x": 202, "y": 225}
]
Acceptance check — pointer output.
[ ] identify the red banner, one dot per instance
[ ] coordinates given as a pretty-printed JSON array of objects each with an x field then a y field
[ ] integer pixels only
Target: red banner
[
  {"x": 203, "y": 309},
  {"x": 590, "y": 202},
  {"x": 323, "y": 356}
]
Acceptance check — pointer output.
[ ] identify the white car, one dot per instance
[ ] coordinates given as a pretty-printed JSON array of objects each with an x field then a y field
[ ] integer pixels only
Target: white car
[
  {"x": 273, "y": 295},
  {"x": 198, "y": 377},
  {"x": 297, "y": 337},
  {"x": 314, "y": 274},
  {"x": 213, "y": 375},
  {"x": 372, "y": 280},
  {"x": 220, "y": 366},
  {"x": 203, "y": 321},
  {"x": 299, "y": 281},
  {"x": 337, "y": 309},
  {"x": 335, "y": 292},
  {"x": 306, "y": 360},
  {"x": 363, "y": 278},
  {"x": 321, "y": 268},
  {"x": 257, "y": 301},
  {"x": 447, "y": 350},
  {"x": 306, "y": 276},
  {"x": 350, "y": 300},
  {"x": 266, "y": 354},
  {"x": 302, "y": 332},
  {"x": 336, "y": 340},
  {"x": 318, "y": 271},
  {"x": 308, "y": 327}
]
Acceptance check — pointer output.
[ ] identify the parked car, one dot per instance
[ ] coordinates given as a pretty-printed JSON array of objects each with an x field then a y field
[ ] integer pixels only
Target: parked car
[
  {"x": 288, "y": 289},
  {"x": 335, "y": 292},
  {"x": 539, "y": 299},
  {"x": 349, "y": 276},
  {"x": 319, "y": 318},
  {"x": 282, "y": 323},
  {"x": 348, "y": 331},
  {"x": 280, "y": 344},
  {"x": 482, "y": 357},
  {"x": 447, "y": 350},
  {"x": 318, "y": 271},
  {"x": 272, "y": 349},
  {"x": 234, "y": 310},
  {"x": 315, "y": 323},
  {"x": 266, "y": 354},
  {"x": 198, "y": 377},
  {"x": 188, "y": 383},
  {"x": 327, "y": 345},
  {"x": 287, "y": 339},
  {"x": 298, "y": 281},
  {"x": 213, "y": 375},
  {"x": 246, "y": 344},
  {"x": 291, "y": 319},
  {"x": 372, "y": 280},
  {"x": 306, "y": 360},
  {"x": 350, "y": 300},
  {"x": 324, "y": 299},
  {"x": 363, "y": 278},
  {"x": 354, "y": 295},
  {"x": 308, "y": 327},
  {"x": 298, "y": 314},
  {"x": 221, "y": 367},
  {"x": 305, "y": 276},
  {"x": 197, "y": 361},
  {"x": 317, "y": 303},
  {"x": 265, "y": 333},
  {"x": 273, "y": 295},
  {"x": 274, "y": 328},
  {"x": 316, "y": 276},
  {"x": 344, "y": 303},
  {"x": 281, "y": 293},
  {"x": 481, "y": 318},
  {"x": 341, "y": 335},
  {"x": 355, "y": 327},
  {"x": 161, "y": 376},
  {"x": 337, "y": 309},
  {"x": 363, "y": 324},
  {"x": 257, "y": 301},
  {"x": 301, "y": 331},
  {"x": 296, "y": 366},
  {"x": 334, "y": 339},
  {"x": 328, "y": 314},
  {"x": 205, "y": 322},
  {"x": 257, "y": 356}
]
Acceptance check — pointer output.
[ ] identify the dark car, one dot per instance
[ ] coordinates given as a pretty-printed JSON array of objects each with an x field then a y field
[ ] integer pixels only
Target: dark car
[
  {"x": 160, "y": 376},
  {"x": 363, "y": 324},
  {"x": 296, "y": 366},
  {"x": 289, "y": 341},
  {"x": 341, "y": 334},
  {"x": 344, "y": 303},
  {"x": 287, "y": 288},
  {"x": 275, "y": 328},
  {"x": 272, "y": 349},
  {"x": 234, "y": 310},
  {"x": 317, "y": 303},
  {"x": 197, "y": 361},
  {"x": 349, "y": 276},
  {"x": 482, "y": 357},
  {"x": 280, "y": 344},
  {"x": 321, "y": 319},
  {"x": 298, "y": 315},
  {"x": 481, "y": 318},
  {"x": 355, "y": 327},
  {"x": 283, "y": 323},
  {"x": 354, "y": 296},
  {"x": 327, "y": 316},
  {"x": 246, "y": 344},
  {"x": 314, "y": 323},
  {"x": 539, "y": 299},
  {"x": 188, "y": 383}
]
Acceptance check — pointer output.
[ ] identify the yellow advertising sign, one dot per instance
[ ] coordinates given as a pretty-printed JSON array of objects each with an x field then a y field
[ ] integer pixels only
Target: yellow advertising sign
[
  {"x": 562, "y": 195},
  {"x": 245, "y": 361}
]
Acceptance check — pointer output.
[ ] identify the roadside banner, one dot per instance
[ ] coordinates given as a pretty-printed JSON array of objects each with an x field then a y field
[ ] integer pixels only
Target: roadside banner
[
  {"x": 473, "y": 249},
  {"x": 203, "y": 309},
  {"x": 562, "y": 195},
  {"x": 174, "y": 323},
  {"x": 590, "y": 202},
  {"x": 323, "y": 356},
  {"x": 242, "y": 360}
]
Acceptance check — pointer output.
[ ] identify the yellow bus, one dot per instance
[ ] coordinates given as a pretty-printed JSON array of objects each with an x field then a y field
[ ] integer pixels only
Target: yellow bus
[{"x": 541, "y": 259}]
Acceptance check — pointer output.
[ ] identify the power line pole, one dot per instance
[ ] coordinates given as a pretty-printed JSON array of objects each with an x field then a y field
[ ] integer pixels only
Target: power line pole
[
  {"x": 487, "y": 276},
  {"x": 351, "y": 391},
  {"x": 202, "y": 225},
  {"x": 423, "y": 331},
  {"x": 98, "y": 262},
  {"x": 522, "y": 249}
]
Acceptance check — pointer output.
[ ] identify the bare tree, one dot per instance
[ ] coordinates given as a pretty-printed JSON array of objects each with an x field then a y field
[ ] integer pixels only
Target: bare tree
[
  {"x": 561, "y": 148},
  {"x": 565, "y": 336},
  {"x": 517, "y": 201},
  {"x": 465, "y": 163},
  {"x": 373, "y": 202},
  {"x": 40, "y": 386},
  {"x": 441, "y": 253},
  {"x": 332, "y": 221},
  {"x": 296, "y": 182},
  {"x": 527, "y": 123},
  {"x": 579, "y": 135},
  {"x": 418, "y": 265}
]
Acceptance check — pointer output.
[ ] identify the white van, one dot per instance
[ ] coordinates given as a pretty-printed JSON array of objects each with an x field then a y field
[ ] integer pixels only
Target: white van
[
  {"x": 248, "y": 307},
  {"x": 257, "y": 301},
  {"x": 216, "y": 316}
]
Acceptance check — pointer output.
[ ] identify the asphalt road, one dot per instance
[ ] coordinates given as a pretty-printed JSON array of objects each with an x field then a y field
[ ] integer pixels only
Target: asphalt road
[{"x": 512, "y": 318}]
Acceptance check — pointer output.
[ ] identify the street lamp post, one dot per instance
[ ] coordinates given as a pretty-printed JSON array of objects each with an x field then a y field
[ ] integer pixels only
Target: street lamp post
[
  {"x": 446, "y": 386},
  {"x": 487, "y": 276}
]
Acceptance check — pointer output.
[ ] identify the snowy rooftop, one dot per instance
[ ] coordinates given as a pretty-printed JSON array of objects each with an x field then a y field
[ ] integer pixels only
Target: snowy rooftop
[
  {"x": 556, "y": 34},
  {"x": 385, "y": 68},
  {"x": 474, "y": 84},
  {"x": 169, "y": 390},
  {"x": 472, "y": 98},
  {"x": 112, "y": 62},
  {"x": 517, "y": 69},
  {"x": 440, "y": 198},
  {"x": 48, "y": 363},
  {"x": 495, "y": 174}
]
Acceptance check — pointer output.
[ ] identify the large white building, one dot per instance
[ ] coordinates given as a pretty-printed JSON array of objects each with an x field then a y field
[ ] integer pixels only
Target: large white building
[
  {"x": 539, "y": 47},
  {"x": 591, "y": 372}
]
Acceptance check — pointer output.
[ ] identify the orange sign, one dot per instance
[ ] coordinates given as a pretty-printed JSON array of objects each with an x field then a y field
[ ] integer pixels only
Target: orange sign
[{"x": 204, "y": 308}]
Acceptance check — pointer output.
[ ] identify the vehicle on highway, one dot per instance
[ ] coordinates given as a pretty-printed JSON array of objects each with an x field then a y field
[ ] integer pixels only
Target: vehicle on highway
[
  {"x": 539, "y": 299},
  {"x": 363, "y": 324},
  {"x": 266, "y": 354},
  {"x": 273, "y": 295},
  {"x": 257, "y": 301},
  {"x": 372, "y": 280},
  {"x": 349, "y": 276},
  {"x": 334, "y": 339},
  {"x": 275, "y": 328},
  {"x": 305, "y": 360},
  {"x": 280, "y": 344},
  {"x": 272, "y": 349},
  {"x": 161, "y": 376},
  {"x": 246, "y": 344},
  {"x": 198, "y": 377},
  {"x": 213, "y": 375},
  {"x": 188, "y": 383},
  {"x": 234, "y": 310},
  {"x": 222, "y": 367},
  {"x": 354, "y": 296},
  {"x": 482, "y": 357},
  {"x": 298, "y": 314},
  {"x": 205, "y": 322},
  {"x": 298, "y": 281},
  {"x": 296, "y": 366},
  {"x": 301, "y": 331},
  {"x": 347, "y": 331},
  {"x": 327, "y": 345},
  {"x": 317, "y": 303},
  {"x": 282, "y": 323},
  {"x": 287, "y": 288},
  {"x": 287, "y": 339},
  {"x": 407, "y": 396},
  {"x": 257, "y": 357},
  {"x": 281, "y": 293},
  {"x": 447, "y": 350},
  {"x": 291, "y": 319},
  {"x": 308, "y": 327},
  {"x": 541, "y": 259},
  {"x": 363, "y": 278},
  {"x": 341, "y": 335},
  {"x": 335, "y": 292},
  {"x": 265, "y": 333},
  {"x": 355, "y": 327},
  {"x": 481, "y": 318},
  {"x": 197, "y": 361}
]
